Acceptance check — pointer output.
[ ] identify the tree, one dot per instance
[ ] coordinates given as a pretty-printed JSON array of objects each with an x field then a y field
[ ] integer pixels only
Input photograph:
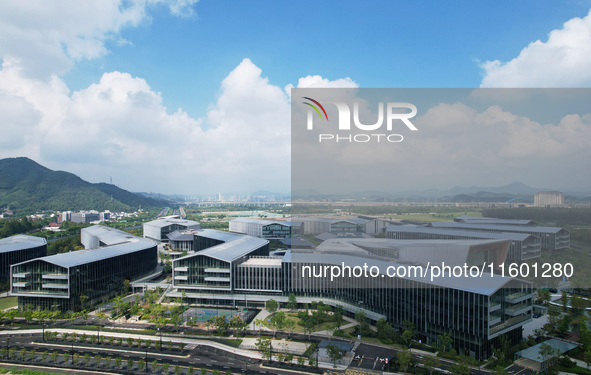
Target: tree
[
  {"x": 154, "y": 365},
  {"x": 238, "y": 324},
  {"x": 577, "y": 305},
  {"x": 118, "y": 361},
  {"x": 363, "y": 324},
  {"x": 278, "y": 320},
  {"x": 385, "y": 330},
  {"x": 404, "y": 358},
  {"x": 219, "y": 323},
  {"x": 264, "y": 346},
  {"x": 292, "y": 302},
  {"x": 165, "y": 367},
  {"x": 97, "y": 360},
  {"x": 84, "y": 301},
  {"x": 337, "y": 317},
  {"x": 75, "y": 359},
  {"x": 334, "y": 353},
  {"x": 564, "y": 323},
  {"x": 549, "y": 355},
  {"x": 564, "y": 300},
  {"x": 430, "y": 362},
  {"x": 461, "y": 367},
  {"x": 408, "y": 332},
  {"x": 126, "y": 286},
  {"x": 543, "y": 296},
  {"x": 308, "y": 324},
  {"x": 444, "y": 343},
  {"x": 129, "y": 364},
  {"x": 141, "y": 364},
  {"x": 86, "y": 359},
  {"x": 177, "y": 370},
  {"x": 271, "y": 306}
]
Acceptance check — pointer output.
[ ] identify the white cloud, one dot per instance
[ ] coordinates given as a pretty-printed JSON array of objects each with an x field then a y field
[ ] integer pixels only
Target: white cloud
[
  {"x": 456, "y": 145},
  {"x": 48, "y": 37},
  {"x": 119, "y": 127},
  {"x": 564, "y": 60},
  {"x": 317, "y": 81}
]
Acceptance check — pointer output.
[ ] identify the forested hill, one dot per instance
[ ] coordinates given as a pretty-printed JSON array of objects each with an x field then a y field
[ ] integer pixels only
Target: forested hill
[{"x": 28, "y": 187}]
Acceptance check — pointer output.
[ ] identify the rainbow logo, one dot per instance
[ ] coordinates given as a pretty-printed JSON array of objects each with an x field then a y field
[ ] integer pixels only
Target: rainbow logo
[{"x": 316, "y": 108}]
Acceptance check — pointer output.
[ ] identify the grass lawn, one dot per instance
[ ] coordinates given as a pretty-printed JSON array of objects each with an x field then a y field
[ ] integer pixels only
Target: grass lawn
[
  {"x": 299, "y": 328},
  {"x": 7, "y": 302}
]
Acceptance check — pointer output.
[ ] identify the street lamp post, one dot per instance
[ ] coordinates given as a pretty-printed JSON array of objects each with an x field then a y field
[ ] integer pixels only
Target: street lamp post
[
  {"x": 7, "y": 346},
  {"x": 160, "y": 334},
  {"x": 317, "y": 355}
]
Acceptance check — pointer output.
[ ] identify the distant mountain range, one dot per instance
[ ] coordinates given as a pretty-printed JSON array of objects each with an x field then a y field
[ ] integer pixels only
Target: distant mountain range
[
  {"x": 516, "y": 192},
  {"x": 28, "y": 187}
]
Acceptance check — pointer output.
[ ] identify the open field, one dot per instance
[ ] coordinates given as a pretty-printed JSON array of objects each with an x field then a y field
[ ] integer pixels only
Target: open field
[{"x": 8, "y": 302}]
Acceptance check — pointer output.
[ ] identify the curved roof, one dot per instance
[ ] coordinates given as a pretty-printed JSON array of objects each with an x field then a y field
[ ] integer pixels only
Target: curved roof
[{"x": 20, "y": 242}]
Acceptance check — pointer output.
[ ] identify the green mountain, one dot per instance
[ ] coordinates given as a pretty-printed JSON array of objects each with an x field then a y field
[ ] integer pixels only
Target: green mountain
[{"x": 28, "y": 187}]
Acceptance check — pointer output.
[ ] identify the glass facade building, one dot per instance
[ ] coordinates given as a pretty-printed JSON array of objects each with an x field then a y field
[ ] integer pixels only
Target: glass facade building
[
  {"x": 18, "y": 249},
  {"x": 269, "y": 229},
  {"x": 158, "y": 229},
  {"x": 237, "y": 271},
  {"x": 76, "y": 280}
]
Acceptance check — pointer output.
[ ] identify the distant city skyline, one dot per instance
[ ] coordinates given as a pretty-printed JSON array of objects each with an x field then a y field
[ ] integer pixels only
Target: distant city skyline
[{"x": 188, "y": 97}]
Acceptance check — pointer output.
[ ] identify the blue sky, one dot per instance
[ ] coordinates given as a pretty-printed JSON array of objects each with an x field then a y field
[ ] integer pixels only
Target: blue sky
[
  {"x": 376, "y": 43},
  {"x": 154, "y": 91}
]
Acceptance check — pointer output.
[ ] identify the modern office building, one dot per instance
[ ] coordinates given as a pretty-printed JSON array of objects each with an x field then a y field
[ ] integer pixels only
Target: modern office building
[
  {"x": 522, "y": 246},
  {"x": 548, "y": 199},
  {"x": 237, "y": 271},
  {"x": 158, "y": 229},
  {"x": 493, "y": 221},
  {"x": 316, "y": 225},
  {"x": 552, "y": 238},
  {"x": 182, "y": 240},
  {"x": 212, "y": 268},
  {"x": 269, "y": 229},
  {"x": 85, "y": 217},
  {"x": 76, "y": 280},
  {"x": 18, "y": 249}
]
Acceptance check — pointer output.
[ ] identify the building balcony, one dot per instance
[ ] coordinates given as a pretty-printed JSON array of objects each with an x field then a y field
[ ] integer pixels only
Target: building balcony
[
  {"x": 518, "y": 309},
  {"x": 181, "y": 269},
  {"x": 55, "y": 286},
  {"x": 217, "y": 279},
  {"x": 508, "y": 324},
  {"x": 55, "y": 276},
  {"x": 494, "y": 306},
  {"x": 494, "y": 319},
  {"x": 217, "y": 270},
  {"x": 21, "y": 275},
  {"x": 518, "y": 297},
  {"x": 180, "y": 277}
]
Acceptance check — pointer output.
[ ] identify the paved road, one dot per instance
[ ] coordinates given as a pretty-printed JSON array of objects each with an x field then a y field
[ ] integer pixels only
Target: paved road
[
  {"x": 198, "y": 357},
  {"x": 379, "y": 358}
]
